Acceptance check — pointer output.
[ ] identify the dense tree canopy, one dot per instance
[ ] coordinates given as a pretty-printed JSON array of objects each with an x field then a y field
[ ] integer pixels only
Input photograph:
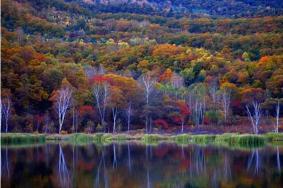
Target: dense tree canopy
[{"x": 200, "y": 70}]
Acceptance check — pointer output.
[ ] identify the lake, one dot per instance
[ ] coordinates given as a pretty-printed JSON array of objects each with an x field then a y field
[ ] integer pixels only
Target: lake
[{"x": 136, "y": 165}]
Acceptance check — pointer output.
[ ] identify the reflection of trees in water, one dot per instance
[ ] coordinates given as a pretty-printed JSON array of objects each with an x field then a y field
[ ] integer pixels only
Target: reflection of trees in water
[
  {"x": 148, "y": 183},
  {"x": 129, "y": 157},
  {"x": 148, "y": 152},
  {"x": 254, "y": 162},
  {"x": 139, "y": 166},
  {"x": 148, "y": 155},
  {"x": 102, "y": 171},
  {"x": 46, "y": 154},
  {"x": 64, "y": 174},
  {"x": 222, "y": 172},
  {"x": 74, "y": 162},
  {"x": 278, "y": 159},
  {"x": 199, "y": 165},
  {"x": 5, "y": 167},
  {"x": 209, "y": 168},
  {"x": 114, "y": 164},
  {"x": 227, "y": 167}
]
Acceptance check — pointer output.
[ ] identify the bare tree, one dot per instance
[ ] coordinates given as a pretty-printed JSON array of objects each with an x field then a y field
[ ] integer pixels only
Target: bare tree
[
  {"x": 148, "y": 83},
  {"x": 74, "y": 119},
  {"x": 277, "y": 116},
  {"x": 114, "y": 115},
  {"x": 6, "y": 111},
  {"x": 197, "y": 102},
  {"x": 101, "y": 92},
  {"x": 63, "y": 102},
  {"x": 226, "y": 100},
  {"x": 255, "y": 118},
  {"x": 129, "y": 113},
  {"x": 46, "y": 122},
  {"x": 213, "y": 91}
]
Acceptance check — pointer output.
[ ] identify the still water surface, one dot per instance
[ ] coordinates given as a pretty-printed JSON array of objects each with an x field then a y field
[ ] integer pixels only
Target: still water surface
[{"x": 134, "y": 165}]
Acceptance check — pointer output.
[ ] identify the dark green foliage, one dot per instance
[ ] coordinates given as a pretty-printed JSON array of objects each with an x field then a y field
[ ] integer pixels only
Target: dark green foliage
[{"x": 21, "y": 139}]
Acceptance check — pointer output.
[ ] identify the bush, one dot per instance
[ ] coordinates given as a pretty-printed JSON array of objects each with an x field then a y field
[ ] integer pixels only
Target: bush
[
  {"x": 99, "y": 128},
  {"x": 89, "y": 126},
  {"x": 213, "y": 116},
  {"x": 161, "y": 123},
  {"x": 64, "y": 132}
]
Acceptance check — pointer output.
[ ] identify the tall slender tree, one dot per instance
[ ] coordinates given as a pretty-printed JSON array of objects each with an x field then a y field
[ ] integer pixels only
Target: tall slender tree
[
  {"x": 100, "y": 90},
  {"x": 6, "y": 110},
  {"x": 63, "y": 100},
  {"x": 226, "y": 100},
  {"x": 148, "y": 83},
  {"x": 277, "y": 116},
  {"x": 255, "y": 117}
]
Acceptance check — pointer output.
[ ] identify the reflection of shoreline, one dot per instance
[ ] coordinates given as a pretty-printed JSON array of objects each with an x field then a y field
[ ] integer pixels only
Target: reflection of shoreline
[{"x": 144, "y": 166}]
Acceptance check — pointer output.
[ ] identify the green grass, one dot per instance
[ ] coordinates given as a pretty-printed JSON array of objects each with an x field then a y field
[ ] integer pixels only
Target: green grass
[
  {"x": 231, "y": 140},
  {"x": 80, "y": 138},
  {"x": 182, "y": 139},
  {"x": 203, "y": 139},
  {"x": 154, "y": 139},
  {"x": 274, "y": 137},
  {"x": 228, "y": 139},
  {"x": 21, "y": 138},
  {"x": 241, "y": 140}
]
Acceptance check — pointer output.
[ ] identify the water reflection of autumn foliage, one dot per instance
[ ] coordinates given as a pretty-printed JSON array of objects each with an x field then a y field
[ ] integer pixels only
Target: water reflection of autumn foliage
[{"x": 165, "y": 164}]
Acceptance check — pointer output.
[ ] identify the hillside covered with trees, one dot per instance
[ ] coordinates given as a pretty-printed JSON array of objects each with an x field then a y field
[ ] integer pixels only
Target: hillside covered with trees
[{"x": 77, "y": 66}]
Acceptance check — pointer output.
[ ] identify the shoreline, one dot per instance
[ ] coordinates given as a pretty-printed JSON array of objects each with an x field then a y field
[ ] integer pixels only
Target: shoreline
[{"x": 232, "y": 140}]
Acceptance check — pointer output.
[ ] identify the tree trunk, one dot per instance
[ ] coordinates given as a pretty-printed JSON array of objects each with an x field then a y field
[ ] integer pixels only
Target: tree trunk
[
  {"x": 114, "y": 113},
  {"x": 146, "y": 124},
  {"x": 150, "y": 125},
  {"x": 277, "y": 116},
  {"x": 6, "y": 122},
  {"x": 182, "y": 126},
  {"x": 129, "y": 116}
]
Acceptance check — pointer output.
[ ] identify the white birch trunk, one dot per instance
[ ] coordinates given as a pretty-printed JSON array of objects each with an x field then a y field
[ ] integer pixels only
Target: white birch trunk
[
  {"x": 6, "y": 110},
  {"x": 277, "y": 116},
  {"x": 255, "y": 118},
  {"x": 226, "y": 99},
  {"x": 114, "y": 114},
  {"x": 62, "y": 104},
  {"x": 129, "y": 112}
]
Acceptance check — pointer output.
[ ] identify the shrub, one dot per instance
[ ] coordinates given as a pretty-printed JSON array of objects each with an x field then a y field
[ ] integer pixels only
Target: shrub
[
  {"x": 161, "y": 123},
  {"x": 89, "y": 126},
  {"x": 213, "y": 116},
  {"x": 99, "y": 128},
  {"x": 64, "y": 132}
]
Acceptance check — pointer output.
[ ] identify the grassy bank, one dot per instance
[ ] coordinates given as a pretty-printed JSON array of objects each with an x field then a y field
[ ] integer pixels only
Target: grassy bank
[
  {"x": 22, "y": 138},
  {"x": 228, "y": 139}
]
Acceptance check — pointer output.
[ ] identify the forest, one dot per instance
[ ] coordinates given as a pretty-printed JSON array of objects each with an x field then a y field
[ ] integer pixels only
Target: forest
[{"x": 67, "y": 68}]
